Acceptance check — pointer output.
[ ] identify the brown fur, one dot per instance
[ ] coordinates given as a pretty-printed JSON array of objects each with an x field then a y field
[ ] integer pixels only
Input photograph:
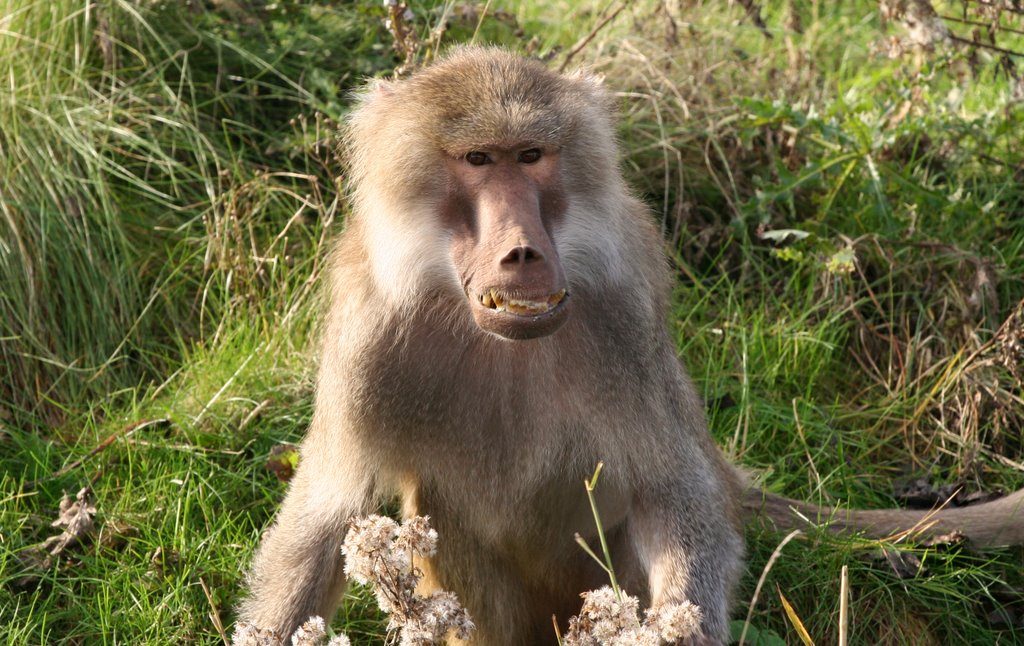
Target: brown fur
[{"x": 493, "y": 438}]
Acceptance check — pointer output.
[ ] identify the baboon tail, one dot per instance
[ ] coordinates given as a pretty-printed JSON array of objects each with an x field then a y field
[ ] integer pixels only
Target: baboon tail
[{"x": 995, "y": 523}]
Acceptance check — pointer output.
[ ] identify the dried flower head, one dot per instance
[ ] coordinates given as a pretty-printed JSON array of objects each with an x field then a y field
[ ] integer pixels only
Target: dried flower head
[
  {"x": 608, "y": 619},
  {"x": 417, "y": 536},
  {"x": 366, "y": 547},
  {"x": 380, "y": 553},
  {"x": 675, "y": 621},
  {"x": 311, "y": 633},
  {"x": 604, "y": 615},
  {"x": 247, "y": 634}
]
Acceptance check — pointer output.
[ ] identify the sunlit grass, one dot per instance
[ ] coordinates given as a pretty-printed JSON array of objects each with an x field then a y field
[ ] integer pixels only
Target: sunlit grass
[{"x": 168, "y": 190}]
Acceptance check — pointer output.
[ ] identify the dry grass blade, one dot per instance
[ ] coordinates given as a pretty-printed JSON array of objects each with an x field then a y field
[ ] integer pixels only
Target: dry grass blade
[
  {"x": 794, "y": 618},
  {"x": 844, "y": 605}
]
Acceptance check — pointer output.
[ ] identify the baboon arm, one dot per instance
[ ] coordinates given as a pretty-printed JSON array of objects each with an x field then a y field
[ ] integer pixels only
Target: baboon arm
[
  {"x": 691, "y": 553},
  {"x": 992, "y": 524},
  {"x": 298, "y": 570}
]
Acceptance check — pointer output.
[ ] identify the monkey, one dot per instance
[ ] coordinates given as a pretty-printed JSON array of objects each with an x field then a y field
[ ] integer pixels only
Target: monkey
[{"x": 496, "y": 325}]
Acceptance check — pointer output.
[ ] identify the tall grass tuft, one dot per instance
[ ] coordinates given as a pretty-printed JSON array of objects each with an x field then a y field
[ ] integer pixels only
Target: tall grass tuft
[
  {"x": 71, "y": 290},
  {"x": 137, "y": 200}
]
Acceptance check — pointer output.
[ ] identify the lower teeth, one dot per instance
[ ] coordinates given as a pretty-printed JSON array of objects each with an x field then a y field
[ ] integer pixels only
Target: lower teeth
[{"x": 492, "y": 300}]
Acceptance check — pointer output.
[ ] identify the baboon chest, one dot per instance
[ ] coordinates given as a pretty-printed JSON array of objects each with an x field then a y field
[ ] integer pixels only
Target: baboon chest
[{"x": 474, "y": 423}]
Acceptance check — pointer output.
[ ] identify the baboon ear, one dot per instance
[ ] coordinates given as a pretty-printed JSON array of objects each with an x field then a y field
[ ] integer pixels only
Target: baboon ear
[
  {"x": 376, "y": 92},
  {"x": 380, "y": 88},
  {"x": 587, "y": 77},
  {"x": 591, "y": 84}
]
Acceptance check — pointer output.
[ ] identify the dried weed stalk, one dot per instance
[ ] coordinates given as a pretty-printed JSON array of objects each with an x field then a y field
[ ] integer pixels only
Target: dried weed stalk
[
  {"x": 979, "y": 407},
  {"x": 76, "y": 522},
  {"x": 403, "y": 34},
  {"x": 381, "y": 553},
  {"x": 610, "y": 617}
]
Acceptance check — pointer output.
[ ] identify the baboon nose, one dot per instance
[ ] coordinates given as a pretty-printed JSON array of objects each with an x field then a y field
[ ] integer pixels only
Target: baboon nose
[{"x": 521, "y": 255}]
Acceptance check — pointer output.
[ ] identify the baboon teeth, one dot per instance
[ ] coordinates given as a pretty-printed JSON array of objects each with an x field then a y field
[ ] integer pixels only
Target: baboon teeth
[{"x": 496, "y": 301}]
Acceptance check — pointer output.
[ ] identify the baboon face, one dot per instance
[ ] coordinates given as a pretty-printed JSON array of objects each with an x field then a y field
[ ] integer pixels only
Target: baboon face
[
  {"x": 500, "y": 208},
  {"x": 476, "y": 179}
]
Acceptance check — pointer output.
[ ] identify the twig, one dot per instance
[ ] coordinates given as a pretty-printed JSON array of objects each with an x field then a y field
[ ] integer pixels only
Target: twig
[
  {"x": 997, "y": 161},
  {"x": 214, "y": 613},
  {"x": 606, "y": 564},
  {"x": 760, "y": 582},
  {"x": 186, "y": 448},
  {"x": 988, "y": 3},
  {"x": 127, "y": 430},
  {"x": 978, "y": 23},
  {"x": 994, "y": 48},
  {"x": 583, "y": 42}
]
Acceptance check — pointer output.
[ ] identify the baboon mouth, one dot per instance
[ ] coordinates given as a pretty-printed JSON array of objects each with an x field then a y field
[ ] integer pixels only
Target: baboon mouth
[
  {"x": 499, "y": 301},
  {"x": 518, "y": 316}
]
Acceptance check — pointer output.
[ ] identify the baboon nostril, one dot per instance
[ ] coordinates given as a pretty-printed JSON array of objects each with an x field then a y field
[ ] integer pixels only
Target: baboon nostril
[{"x": 521, "y": 256}]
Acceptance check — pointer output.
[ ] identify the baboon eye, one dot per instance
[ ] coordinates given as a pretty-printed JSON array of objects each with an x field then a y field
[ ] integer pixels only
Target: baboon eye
[
  {"x": 529, "y": 156},
  {"x": 478, "y": 158}
]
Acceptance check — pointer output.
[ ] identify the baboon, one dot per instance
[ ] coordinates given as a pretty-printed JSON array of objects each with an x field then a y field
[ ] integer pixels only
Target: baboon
[{"x": 496, "y": 327}]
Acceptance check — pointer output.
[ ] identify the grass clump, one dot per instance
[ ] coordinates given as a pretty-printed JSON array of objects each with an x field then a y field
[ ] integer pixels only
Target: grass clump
[{"x": 161, "y": 166}]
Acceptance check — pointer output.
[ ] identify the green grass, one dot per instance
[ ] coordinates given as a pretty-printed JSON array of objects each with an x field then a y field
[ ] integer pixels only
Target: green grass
[{"x": 168, "y": 186}]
